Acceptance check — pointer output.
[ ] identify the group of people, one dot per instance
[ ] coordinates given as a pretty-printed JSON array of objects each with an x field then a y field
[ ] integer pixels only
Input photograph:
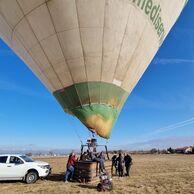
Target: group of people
[
  {"x": 96, "y": 157},
  {"x": 121, "y": 164},
  {"x": 89, "y": 155}
]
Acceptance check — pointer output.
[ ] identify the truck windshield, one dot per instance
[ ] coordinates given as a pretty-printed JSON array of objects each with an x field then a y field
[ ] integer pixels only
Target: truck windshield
[{"x": 27, "y": 159}]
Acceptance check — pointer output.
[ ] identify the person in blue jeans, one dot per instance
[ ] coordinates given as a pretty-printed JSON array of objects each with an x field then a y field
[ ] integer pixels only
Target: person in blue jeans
[{"x": 70, "y": 167}]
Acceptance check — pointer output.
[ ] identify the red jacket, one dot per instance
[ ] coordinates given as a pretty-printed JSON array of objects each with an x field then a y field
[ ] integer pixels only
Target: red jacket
[{"x": 71, "y": 161}]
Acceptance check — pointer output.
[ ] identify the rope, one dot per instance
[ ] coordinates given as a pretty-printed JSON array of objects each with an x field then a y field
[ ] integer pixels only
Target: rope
[
  {"x": 91, "y": 134},
  {"x": 75, "y": 130}
]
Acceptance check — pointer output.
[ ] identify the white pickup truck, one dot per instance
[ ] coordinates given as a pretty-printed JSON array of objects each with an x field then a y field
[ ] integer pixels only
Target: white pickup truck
[{"x": 22, "y": 167}]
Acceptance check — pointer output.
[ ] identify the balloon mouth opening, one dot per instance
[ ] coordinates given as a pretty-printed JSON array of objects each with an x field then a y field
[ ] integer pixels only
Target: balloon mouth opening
[
  {"x": 98, "y": 132},
  {"x": 91, "y": 130},
  {"x": 98, "y": 118}
]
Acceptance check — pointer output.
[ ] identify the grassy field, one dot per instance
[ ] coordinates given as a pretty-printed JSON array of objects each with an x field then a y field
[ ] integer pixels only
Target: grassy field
[{"x": 165, "y": 174}]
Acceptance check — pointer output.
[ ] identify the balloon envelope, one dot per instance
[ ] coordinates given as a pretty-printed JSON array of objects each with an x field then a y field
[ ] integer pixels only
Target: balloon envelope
[{"x": 89, "y": 53}]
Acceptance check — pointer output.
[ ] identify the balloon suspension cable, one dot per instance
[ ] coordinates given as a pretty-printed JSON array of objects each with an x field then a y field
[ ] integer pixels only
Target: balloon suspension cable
[
  {"x": 89, "y": 134},
  {"x": 78, "y": 136},
  {"x": 101, "y": 139},
  {"x": 75, "y": 130}
]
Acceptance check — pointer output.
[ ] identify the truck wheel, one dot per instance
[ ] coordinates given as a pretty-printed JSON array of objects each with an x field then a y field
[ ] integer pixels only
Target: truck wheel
[{"x": 31, "y": 177}]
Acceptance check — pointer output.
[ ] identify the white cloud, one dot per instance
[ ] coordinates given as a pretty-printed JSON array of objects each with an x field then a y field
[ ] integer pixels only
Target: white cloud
[
  {"x": 155, "y": 133},
  {"x": 12, "y": 87},
  {"x": 165, "y": 102},
  {"x": 175, "y": 126},
  {"x": 172, "y": 61},
  {"x": 161, "y": 143}
]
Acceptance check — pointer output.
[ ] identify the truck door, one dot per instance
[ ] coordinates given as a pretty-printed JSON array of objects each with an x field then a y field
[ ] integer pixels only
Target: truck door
[
  {"x": 3, "y": 167},
  {"x": 15, "y": 167}
]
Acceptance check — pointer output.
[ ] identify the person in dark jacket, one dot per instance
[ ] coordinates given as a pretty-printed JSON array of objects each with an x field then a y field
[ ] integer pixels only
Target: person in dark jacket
[
  {"x": 120, "y": 161},
  {"x": 70, "y": 167},
  {"x": 128, "y": 163},
  {"x": 98, "y": 157},
  {"x": 84, "y": 157},
  {"x": 114, "y": 164}
]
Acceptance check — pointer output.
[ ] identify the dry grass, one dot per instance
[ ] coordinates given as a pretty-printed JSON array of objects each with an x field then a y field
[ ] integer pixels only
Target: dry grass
[{"x": 166, "y": 174}]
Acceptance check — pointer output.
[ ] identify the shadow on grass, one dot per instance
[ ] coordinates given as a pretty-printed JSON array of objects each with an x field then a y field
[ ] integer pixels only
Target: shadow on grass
[
  {"x": 52, "y": 177},
  {"x": 12, "y": 181},
  {"x": 85, "y": 186},
  {"x": 56, "y": 177}
]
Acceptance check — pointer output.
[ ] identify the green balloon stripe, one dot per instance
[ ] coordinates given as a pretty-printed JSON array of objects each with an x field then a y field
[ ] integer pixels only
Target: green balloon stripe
[
  {"x": 87, "y": 93},
  {"x": 93, "y": 102}
]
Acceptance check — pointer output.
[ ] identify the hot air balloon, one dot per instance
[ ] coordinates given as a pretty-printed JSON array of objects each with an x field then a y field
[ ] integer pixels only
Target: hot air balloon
[{"x": 89, "y": 53}]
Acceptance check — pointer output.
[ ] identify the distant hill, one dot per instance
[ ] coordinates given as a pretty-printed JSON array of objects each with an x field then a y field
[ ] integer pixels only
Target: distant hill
[{"x": 34, "y": 150}]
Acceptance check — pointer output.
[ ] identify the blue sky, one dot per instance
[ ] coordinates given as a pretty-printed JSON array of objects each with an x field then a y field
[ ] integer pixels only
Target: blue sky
[{"x": 29, "y": 114}]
